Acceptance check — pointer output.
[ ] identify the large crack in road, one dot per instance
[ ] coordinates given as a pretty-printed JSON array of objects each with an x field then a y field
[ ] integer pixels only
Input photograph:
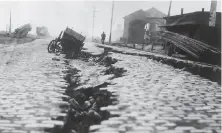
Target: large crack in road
[
  {"x": 90, "y": 86},
  {"x": 146, "y": 95}
]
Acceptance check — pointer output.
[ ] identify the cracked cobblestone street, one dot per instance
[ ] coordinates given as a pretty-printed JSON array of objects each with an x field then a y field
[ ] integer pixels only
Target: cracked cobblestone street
[
  {"x": 155, "y": 98},
  {"x": 31, "y": 91},
  {"x": 99, "y": 66},
  {"x": 152, "y": 97}
]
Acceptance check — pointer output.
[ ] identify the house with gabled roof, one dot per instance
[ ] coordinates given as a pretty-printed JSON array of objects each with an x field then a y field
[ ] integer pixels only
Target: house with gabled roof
[{"x": 135, "y": 22}]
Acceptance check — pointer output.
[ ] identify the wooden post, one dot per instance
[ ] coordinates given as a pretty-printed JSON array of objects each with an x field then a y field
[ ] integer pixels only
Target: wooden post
[
  {"x": 202, "y": 9},
  {"x": 111, "y": 24},
  {"x": 94, "y": 10},
  {"x": 181, "y": 11},
  {"x": 10, "y": 24},
  {"x": 169, "y": 8},
  {"x": 212, "y": 19}
]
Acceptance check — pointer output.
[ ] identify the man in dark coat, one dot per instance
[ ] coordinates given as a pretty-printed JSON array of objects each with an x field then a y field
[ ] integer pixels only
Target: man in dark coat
[{"x": 103, "y": 36}]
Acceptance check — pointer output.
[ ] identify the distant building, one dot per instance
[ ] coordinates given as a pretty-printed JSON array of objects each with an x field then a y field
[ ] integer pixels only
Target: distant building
[
  {"x": 42, "y": 31},
  {"x": 135, "y": 22}
]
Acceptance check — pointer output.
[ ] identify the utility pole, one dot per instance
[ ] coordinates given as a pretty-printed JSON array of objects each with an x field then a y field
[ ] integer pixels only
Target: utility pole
[
  {"x": 94, "y": 11},
  {"x": 169, "y": 8},
  {"x": 213, "y": 7},
  {"x": 111, "y": 24},
  {"x": 10, "y": 23}
]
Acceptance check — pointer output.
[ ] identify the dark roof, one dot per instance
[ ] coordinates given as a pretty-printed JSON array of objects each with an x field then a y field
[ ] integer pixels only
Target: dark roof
[
  {"x": 192, "y": 18},
  {"x": 134, "y": 13},
  {"x": 152, "y": 12}
]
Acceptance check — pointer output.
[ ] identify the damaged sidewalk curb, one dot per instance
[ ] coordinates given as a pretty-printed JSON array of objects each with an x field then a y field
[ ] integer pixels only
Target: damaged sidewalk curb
[{"x": 210, "y": 72}]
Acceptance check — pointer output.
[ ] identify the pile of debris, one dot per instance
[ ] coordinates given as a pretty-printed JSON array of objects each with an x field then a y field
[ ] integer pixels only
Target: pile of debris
[
  {"x": 85, "y": 109},
  {"x": 42, "y": 31},
  {"x": 3, "y": 34},
  {"x": 199, "y": 50},
  {"x": 22, "y": 31}
]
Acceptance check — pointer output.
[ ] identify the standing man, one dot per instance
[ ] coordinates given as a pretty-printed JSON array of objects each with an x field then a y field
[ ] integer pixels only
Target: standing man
[
  {"x": 103, "y": 36},
  {"x": 146, "y": 38},
  {"x": 146, "y": 35}
]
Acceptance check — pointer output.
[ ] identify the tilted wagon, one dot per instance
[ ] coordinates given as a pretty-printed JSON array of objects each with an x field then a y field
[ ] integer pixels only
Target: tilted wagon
[{"x": 69, "y": 42}]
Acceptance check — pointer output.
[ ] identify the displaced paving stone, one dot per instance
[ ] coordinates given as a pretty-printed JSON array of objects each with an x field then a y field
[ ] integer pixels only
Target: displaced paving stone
[
  {"x": 161, "y": 128},
  {"x": 38, "y": 125}
]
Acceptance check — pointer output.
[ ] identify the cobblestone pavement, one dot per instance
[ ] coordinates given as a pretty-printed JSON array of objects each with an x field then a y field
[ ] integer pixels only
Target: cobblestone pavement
[
  {"x": 155, "y": 98},
  {"x": 30, "y": 88}
]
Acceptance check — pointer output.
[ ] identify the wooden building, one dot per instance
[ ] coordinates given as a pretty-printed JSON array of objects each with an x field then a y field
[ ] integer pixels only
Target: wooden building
[{"x": 135, "y": 22}]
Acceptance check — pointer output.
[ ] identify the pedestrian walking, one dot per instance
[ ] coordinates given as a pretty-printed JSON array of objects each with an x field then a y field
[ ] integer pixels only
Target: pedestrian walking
[{"x": 103, "y": 37}]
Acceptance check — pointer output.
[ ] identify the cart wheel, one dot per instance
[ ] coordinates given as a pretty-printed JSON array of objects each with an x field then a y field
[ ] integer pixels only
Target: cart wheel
[
  {"x": 58, "y": 49},
  {"x": 51, "y": 46}
]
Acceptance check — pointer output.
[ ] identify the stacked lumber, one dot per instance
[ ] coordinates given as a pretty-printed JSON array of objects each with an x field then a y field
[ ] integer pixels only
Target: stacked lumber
[{"x": 199, "y": 50}]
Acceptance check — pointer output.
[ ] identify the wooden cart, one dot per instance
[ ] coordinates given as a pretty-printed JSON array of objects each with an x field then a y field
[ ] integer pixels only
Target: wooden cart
[{"x": 69, "y": 42}]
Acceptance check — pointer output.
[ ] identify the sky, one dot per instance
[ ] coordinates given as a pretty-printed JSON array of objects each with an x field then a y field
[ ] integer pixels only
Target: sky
[{"x": 57, "y": 15}]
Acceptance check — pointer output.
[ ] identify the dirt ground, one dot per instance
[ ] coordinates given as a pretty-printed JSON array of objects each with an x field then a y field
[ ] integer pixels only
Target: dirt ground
[{"x": 9, "y": 40}]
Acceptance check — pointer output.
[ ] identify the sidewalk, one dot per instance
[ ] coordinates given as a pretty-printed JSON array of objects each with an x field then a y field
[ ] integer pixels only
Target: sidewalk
[
  {"x": 211, "y": 72},
  {"x": 157, "y": 98}
]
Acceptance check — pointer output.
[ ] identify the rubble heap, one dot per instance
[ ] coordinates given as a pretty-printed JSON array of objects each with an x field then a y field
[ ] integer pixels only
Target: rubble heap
[
  {"x": 3, "y": 33},
  {"x": 22, "y": 31},
  {"x": 85, "y": 104},
  {"x": 42, "y": 31}
]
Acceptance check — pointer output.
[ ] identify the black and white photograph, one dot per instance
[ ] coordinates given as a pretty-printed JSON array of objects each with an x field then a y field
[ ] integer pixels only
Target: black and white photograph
[{"x": 110, "y": 66}]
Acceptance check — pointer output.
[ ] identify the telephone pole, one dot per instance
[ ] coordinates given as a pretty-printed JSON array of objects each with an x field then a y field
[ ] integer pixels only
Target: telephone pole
[
  {"x": 94, "y": 11},
  {"x": 169, "y": 8},
  {"x": 10, "y": 23},
  {"x": 111, "y": 24}
]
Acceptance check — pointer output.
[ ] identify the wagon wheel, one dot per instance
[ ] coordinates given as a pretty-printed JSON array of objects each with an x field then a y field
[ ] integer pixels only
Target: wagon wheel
[
  {"x": 58, "y": 48},
  {"x": 51, "y": 46}
]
